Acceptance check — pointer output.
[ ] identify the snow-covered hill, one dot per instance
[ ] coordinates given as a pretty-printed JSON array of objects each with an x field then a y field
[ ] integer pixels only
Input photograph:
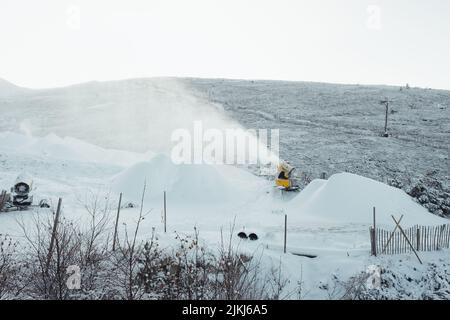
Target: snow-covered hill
[{"x": 323, "y": 127}]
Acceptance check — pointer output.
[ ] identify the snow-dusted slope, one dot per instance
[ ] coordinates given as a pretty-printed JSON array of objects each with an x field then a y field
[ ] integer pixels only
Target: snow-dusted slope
[{"x": 323, "y": 127}]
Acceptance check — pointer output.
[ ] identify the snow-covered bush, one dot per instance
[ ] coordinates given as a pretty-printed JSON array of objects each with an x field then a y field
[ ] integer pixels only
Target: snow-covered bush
[
  {"x": 431, "y": 282},
  {"x": 181, "y": 273},
  {"x": 429, "y": 191},
  {"x": 191, "y": 271}
]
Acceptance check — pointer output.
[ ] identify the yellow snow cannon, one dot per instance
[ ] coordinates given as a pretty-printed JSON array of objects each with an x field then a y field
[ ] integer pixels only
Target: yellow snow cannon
[{"x": 284, "y": 179}]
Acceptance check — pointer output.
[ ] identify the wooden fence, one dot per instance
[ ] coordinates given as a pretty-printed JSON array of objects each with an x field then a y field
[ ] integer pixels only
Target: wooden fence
[{"x": 422, "y": 238}]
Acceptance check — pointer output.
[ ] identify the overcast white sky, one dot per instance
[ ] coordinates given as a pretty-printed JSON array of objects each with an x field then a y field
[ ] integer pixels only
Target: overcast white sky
[{"x": 50, "y": 43}]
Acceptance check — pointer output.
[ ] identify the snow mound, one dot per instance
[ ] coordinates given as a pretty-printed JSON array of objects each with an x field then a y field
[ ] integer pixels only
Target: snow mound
[
  {"x": 55, "y": 147},
  {"x": 350, "y": 198},
  {"x": 186, "y": 183}
]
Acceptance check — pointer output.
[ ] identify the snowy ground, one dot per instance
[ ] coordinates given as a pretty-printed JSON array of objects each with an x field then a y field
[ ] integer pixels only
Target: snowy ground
[
  {"x": 328, "y": 219},
  {"x": 325, "y": 220}
]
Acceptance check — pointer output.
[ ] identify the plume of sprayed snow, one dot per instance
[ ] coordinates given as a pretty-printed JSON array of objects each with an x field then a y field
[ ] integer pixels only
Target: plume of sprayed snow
[{"x": 135, "y": 115}]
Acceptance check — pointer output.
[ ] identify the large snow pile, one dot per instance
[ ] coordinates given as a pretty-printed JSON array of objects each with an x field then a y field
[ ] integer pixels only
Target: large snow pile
[
  {"x": 349, "y": 198},
  {"x": 187, "y": 183}
]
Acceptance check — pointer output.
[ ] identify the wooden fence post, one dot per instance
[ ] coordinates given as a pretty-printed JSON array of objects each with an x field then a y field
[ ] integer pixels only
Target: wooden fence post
[
  {"x": 165, "y": 213},
  {"x": 117, "y": 222},
  {"x": 441, "y": 236},
  {"x": 374, "y": 235},
  {"x": 425, "y": 238},
  {"x": 448, "y": 236},
  {"x": 435, "y": 238},
  {"x": 54, "y": 231},
  {"x": 386, "y": 118},
  {"x": 285, "y": 232},
  {"x": 372, "y": 241},
  {"x": 418, "y": 238},
  {"x": 437, "y": 235}
]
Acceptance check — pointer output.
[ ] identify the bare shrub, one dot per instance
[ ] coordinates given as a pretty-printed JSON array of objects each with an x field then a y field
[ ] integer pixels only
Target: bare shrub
[
  {"x": 136, "y": 269},
  {"x": 126, "y": 260},
  {"x": 276, "y": 284},
  {"x": 9, "y": 268},
  {"x": 94, "y": 255},
  {"x": 236, "y": 275},
  {"x": 46, "y": 270}
]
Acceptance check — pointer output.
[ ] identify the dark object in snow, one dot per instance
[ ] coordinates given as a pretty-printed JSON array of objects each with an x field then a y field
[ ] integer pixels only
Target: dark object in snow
[
  {"x": 253, "y": 236},
  {"x": 21, "y": 191},
  {"x": 242, "y": 235},
  {"x": 307, "y": 255},
  {"x": 43, "y": 204},
  {"x": 129, "y": 205}
]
